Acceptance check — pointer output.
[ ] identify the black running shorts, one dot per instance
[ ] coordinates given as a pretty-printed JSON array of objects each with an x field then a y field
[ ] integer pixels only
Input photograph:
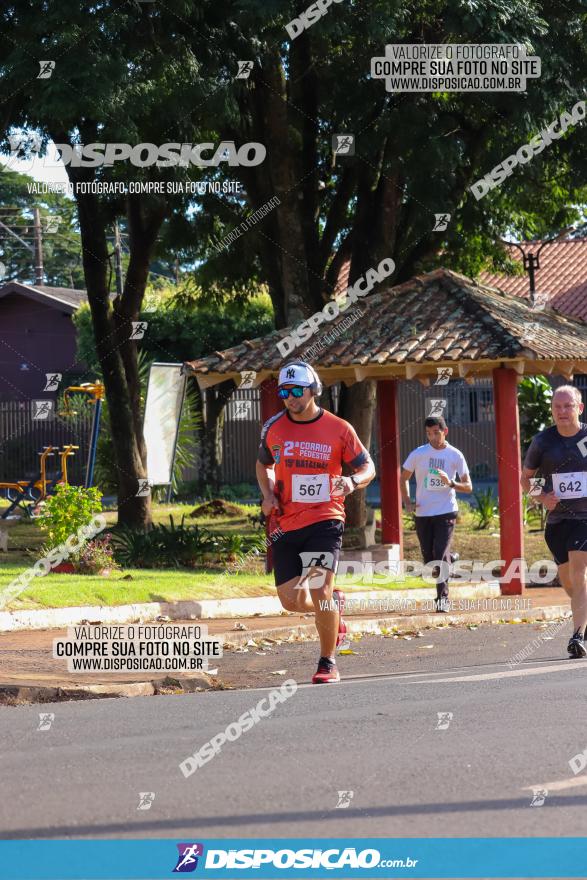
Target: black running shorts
[
  {"x": 319, "y": 543},
  {"x": 568, "y": 534}
]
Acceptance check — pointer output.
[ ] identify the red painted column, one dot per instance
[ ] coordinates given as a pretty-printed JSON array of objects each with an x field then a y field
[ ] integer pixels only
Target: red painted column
[
  {"x": 270, "y": 406},
  {"x": 270, "y": 402},
  {"x": 389, "y": 464},
  {"x": 507, "y": 430}
]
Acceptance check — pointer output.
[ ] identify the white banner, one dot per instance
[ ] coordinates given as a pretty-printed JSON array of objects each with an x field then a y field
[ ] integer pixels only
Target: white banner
[{"x": 165, "y": 393}]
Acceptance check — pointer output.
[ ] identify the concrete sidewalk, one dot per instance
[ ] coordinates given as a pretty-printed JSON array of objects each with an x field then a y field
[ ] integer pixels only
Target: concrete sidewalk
[{"x": 28, "y": 669}]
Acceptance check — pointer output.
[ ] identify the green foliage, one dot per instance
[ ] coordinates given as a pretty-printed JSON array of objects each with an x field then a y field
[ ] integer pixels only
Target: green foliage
[
  {"x": 105, "y": 475},
  {"x": 70, "y": 508},
  {"x": 182, "y": 546},
  {"x": 62, "y": 253},
  {"x": 177, "y": 333},
  {"x": 229, "y": 492},
  {"x": 240, "y": 547},
  {"x": 186, "y": 450},
  {"x": 534, "y": 398},
  {"x": 165, "y": 546},
  {"x": 96, "y": 556},
  {"x": 486, "y": 509}
]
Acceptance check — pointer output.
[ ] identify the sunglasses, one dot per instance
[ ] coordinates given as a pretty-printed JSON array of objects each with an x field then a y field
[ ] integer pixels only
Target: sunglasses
[{"x": 296, "y": 391}]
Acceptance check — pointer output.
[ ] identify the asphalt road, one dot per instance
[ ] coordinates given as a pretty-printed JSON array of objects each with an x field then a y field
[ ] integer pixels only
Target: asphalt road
[{"x": 512, "y": 730}]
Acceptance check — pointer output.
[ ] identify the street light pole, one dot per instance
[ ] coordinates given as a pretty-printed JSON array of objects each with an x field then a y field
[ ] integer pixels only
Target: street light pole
[{"x": 531, "y": 259}]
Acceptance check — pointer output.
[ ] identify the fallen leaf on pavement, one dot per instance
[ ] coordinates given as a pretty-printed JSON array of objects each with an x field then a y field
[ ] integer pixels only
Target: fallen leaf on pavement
[
  {"x": 472, "y": 626},
  {"x": 213, "y": 671},
  {"x": 261, "y": 653},
  {"x": 407, "y": 638},
  {"x": 279, "y": 672},
  {"x": 427, "y": 646},
  {"x": 242, "y": 651},
  {"x": 348, "y": 651}
]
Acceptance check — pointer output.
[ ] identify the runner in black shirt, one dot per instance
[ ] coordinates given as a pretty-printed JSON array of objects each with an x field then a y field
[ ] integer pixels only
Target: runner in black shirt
[{"x": 559, "y": 456}]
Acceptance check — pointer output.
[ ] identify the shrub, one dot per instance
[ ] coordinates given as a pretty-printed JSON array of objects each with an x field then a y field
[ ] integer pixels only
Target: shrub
[
  {"x": 236, "y": 547},
  {"x": 96, "y": 556},
  {"x": 486, "y": 508},
  {"x": 65, "y": 512},
  {"x": 165, "y": 546}
]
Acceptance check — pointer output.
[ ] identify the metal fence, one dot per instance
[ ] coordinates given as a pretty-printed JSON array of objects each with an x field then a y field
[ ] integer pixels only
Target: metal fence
[
  {"x": 22, "y": 437},
  {"x": 469, "y": 413}
]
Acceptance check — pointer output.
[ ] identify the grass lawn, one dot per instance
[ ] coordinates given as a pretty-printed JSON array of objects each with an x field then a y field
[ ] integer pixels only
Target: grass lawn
[{"x": 167, "y": 585}]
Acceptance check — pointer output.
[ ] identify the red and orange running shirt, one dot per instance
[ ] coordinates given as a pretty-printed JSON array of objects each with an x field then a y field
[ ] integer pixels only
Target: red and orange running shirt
[{"x": 306, "y": 456}]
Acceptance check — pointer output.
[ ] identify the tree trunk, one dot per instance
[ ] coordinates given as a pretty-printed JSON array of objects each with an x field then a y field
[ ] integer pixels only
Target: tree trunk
[
  {"x": 357, "y": 406},
  {"x": 112, "y": 330},
  {"x": 211, "y": 435}
]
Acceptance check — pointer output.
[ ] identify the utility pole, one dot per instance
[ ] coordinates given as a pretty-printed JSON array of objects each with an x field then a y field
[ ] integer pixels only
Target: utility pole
[
  {"x": 117, "y": 259},
  {"x": 38, "y": 250}
]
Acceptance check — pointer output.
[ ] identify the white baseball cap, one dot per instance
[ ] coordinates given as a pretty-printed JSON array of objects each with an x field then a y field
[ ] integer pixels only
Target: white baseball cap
[{"x": 296, "y": 374}]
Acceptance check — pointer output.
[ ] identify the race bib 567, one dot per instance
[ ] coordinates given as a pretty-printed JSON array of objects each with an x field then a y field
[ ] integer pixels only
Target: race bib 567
[{"x": 310, "y": 489}]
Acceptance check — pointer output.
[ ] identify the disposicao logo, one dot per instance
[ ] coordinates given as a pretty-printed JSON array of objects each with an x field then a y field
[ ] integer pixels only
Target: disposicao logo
[{"x": 187, "y": 859}]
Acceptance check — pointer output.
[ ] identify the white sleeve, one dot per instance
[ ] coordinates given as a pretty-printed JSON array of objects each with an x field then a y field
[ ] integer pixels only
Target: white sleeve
[
  {"x": 410, "y": 462},
  {"x": 463, "y": 470}
]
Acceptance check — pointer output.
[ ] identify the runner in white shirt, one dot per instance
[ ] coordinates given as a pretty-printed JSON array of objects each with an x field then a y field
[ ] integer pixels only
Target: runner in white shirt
[{"x": 436, "y": 464}]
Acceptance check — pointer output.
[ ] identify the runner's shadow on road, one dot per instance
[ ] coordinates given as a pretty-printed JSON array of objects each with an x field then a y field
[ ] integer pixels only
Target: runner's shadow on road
[{"x": 229, "y": 821}]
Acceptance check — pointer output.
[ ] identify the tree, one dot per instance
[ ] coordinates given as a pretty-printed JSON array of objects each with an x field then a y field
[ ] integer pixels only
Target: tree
[
  {"x": 182, "y": 325},
  {"x": 122, "y": 75},
  {"x": 143, "y": 70},
  {"x": 416, "y": 154},
  {"x": 534, "y": 398},
  {"x": 60, "y": 235}
]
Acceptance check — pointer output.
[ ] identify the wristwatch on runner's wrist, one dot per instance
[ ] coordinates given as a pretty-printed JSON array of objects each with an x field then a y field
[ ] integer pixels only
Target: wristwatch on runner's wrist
[{"x": 452, "y": 484}]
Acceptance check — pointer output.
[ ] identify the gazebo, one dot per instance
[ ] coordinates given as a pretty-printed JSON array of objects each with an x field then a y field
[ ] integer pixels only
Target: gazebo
[{"x": 412, "y": 331}]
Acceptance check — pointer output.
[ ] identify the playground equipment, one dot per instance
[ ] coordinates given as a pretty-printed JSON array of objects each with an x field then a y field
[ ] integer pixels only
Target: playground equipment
[
  {"x": 27, "y": 494},
  {"x": 97, "y": 392}
]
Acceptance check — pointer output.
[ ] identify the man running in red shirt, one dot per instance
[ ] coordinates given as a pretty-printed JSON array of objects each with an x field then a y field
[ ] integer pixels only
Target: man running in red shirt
[{"x": 299, "y": 470}]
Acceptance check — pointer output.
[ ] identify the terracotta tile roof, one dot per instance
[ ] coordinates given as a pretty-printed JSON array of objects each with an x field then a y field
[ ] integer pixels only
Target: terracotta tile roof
[
  {"x": 433, "y": 318},
  {"x": 562, "y": 275}
]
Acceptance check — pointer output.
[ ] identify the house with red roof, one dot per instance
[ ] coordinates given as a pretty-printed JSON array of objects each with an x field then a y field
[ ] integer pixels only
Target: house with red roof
[{"x": 561, "y": 278}]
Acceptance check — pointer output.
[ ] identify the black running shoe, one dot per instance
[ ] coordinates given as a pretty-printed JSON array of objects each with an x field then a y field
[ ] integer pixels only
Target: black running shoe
[{"x": 576, "y": 646}]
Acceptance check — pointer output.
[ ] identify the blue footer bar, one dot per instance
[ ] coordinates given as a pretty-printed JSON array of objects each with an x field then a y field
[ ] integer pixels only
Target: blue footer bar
[{"x": 387, "y": 858}]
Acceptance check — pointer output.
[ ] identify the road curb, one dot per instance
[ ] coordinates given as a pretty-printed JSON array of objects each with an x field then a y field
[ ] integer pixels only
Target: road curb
[
  {"x": 209, "y": 609},
  {"x": 13, "y": 694},
  {"x": 401, "y": 624}
]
